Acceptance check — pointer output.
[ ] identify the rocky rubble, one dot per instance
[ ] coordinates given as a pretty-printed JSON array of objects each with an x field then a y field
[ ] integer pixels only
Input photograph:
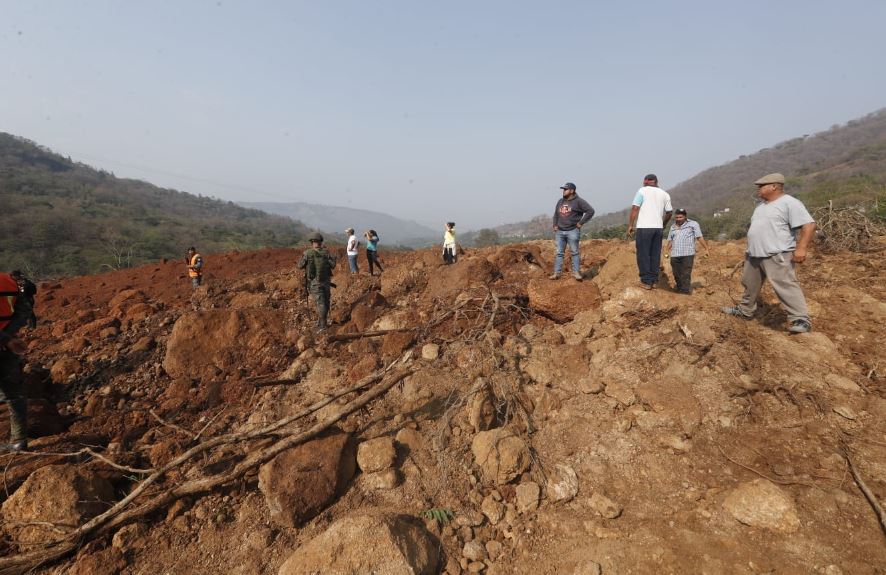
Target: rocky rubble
[{"x": 567, "y": 427}]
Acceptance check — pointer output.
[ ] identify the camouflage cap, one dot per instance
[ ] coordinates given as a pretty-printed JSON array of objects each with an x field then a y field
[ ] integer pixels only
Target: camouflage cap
[
  {"x": 316, "y": 237},
  {"x": 775, "y": 178}
]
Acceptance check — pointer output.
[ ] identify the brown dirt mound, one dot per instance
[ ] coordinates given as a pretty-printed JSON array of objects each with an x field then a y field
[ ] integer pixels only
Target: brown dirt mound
[{"x": 649, "y": 419}]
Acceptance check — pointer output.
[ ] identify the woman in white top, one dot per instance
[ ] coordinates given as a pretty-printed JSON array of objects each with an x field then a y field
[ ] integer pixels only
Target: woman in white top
[
  {"x": 450, "y": 248},
  {"x": 352, "y": 249}
]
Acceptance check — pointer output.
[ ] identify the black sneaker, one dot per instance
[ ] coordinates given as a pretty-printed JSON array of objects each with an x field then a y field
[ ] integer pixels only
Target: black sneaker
[{"x": 800, "y": 326}]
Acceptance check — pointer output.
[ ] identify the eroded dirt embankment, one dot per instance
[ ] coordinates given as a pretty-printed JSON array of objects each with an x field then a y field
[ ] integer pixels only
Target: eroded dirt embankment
[{"x": 568, "y": 427}]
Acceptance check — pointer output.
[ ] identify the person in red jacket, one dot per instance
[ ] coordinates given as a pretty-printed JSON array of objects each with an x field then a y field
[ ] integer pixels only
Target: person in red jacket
[{"x": 15, "y": 310}]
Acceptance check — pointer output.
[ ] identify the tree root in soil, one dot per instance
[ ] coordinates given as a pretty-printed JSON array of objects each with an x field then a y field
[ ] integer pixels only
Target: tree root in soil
[
  {"x": 866, "y": 491},
  {"x": 129, "y": 509}
]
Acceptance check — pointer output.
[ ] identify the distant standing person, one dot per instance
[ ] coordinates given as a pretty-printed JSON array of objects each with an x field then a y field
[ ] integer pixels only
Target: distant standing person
[
  {"x": 29, "y": 291},
  {"x": 570, "y": 214},
  {"x": 778, "y": 239},
  {"x": 353, "y": 245},
  {"x": 650, "y": 212},
  {"x": 681, "y": 249},
  {"x": 372, "y": 252},
  {"x": 195, "y": 267},
  {"x": 450, "y": 248},
  {"x": 318, "y": 264}
]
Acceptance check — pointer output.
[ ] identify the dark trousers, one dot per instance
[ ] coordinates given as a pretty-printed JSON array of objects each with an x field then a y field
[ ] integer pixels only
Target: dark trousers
[
  {"x": 13, "y": 392},
  {"x": 648, "y": 254},
  {"x": 448, "y": 255},
  {"x": 682, "y": 268},
  {"x": 372, "y": 260}
]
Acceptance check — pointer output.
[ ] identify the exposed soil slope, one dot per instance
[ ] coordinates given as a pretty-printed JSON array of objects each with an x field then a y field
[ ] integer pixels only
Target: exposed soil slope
[{"x": 568, "y": 427}]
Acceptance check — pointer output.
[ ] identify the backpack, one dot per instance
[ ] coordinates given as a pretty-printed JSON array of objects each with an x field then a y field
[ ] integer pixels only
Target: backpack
[{"x": 318, "y": 267}]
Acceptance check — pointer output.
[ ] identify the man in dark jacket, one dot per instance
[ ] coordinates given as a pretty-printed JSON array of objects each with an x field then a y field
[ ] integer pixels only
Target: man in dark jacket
[
  {"x": 16, "y": 310},
  {"x": 570, "y": 215}
]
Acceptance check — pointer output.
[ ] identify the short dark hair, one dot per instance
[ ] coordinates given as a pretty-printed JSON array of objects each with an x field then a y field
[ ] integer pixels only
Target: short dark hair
[
  {"x": 680, "y": 212},
  {"x": 450, "y": 224}
]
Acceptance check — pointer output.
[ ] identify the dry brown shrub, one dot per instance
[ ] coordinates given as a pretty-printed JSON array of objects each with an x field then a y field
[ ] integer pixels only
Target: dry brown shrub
[{"x": 845, "y": 229}]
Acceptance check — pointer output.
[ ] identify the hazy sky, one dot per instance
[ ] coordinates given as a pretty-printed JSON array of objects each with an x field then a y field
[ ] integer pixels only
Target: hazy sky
[{"x": 468, "y": 111}]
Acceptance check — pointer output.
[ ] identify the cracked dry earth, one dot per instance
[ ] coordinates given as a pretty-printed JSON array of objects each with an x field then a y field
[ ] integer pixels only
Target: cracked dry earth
[{"x": 540, "y": 427}]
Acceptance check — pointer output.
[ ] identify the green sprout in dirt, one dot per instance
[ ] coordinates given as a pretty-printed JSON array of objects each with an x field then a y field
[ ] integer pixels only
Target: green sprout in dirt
[{"x": 441, "y": 515}]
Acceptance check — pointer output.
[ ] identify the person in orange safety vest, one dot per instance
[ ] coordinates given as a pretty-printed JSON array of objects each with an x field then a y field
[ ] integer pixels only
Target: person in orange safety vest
[{"x": 195, "y": 267}]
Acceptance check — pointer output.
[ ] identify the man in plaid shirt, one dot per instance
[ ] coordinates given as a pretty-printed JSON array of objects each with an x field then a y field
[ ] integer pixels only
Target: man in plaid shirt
[{"x": 681, "y": 249}]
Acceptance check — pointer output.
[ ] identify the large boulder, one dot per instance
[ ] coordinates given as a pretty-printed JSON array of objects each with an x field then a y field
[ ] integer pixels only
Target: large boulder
[
  {"x": 207, "y": 344},
  {"x": 54, "y": 499},
  {"x": 500, "y": 455},
  {"x": 562, "y": 299},
  {"x": 761, "y": 503},
  {"x": 468, "y": 272},
  {"x": 300, "y": 482},
  {"x": 382, "y": 543}
]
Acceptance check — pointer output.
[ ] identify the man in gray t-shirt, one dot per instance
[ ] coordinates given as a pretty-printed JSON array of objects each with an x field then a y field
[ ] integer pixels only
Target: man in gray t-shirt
[{"x": 779, "y": 236}]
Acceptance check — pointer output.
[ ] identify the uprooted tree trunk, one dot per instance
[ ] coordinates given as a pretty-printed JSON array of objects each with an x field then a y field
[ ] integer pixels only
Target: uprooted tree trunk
[{"x": 125, "y": 511}]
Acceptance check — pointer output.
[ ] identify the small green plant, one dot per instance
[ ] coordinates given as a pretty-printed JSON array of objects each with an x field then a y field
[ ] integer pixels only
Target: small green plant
[{"x": 442, "y": 515}]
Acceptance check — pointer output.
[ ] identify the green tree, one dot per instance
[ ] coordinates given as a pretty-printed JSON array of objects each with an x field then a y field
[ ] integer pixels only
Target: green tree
[{"x": 487, "y": 237}]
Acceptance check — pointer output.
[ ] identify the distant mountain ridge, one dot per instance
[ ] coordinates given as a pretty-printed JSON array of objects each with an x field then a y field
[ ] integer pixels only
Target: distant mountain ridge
[
  {"x": 335, "y": 219},
  {"x": 67, "y": 218}
]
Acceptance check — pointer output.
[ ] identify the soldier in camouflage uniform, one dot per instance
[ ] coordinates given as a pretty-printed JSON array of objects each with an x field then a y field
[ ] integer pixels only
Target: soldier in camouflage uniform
[{"x": 318, "y": 264}]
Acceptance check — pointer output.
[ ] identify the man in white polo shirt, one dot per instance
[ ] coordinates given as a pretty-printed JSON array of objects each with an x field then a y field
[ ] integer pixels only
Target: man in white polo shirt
[
  {"x": 778, "y": 239},
  {"x": 650, "y": 213}
]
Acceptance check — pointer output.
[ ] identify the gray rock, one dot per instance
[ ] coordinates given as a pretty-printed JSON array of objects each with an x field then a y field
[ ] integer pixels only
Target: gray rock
[
  {"x": 842, "y": 383},
  {"x": 474, "y": 551},
  {"x": 492, "y": 509},
  {"x": 761, "y": 503},
  {"x": 494, "y": 549},
  {"x": 376, "y": 454},
  {"x": 500, "y": 454},
  {"x": 400, "y": 545},
  {"x": 590, "y": 385},
  {"x": 430, "y": 351},
  {"x": 621, "y": 393},
  {"x": 605, "y": 506},
  {"x": 588, "y": 568},
  {"x": 562, "y": 483},
  {"x": 527, "y": 497},
  {"x": 382, "y": 480}
]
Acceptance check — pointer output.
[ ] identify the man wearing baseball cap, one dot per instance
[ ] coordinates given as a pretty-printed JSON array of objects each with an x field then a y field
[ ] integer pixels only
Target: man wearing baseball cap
[
  {"x": 778, "y": 239},
  {"x": 570, "y": 214},
  {"x": 650, "y": 212}
]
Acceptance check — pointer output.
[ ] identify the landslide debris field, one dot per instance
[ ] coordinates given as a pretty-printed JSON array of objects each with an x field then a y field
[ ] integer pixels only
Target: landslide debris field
[{"x": 488, "y": 420}]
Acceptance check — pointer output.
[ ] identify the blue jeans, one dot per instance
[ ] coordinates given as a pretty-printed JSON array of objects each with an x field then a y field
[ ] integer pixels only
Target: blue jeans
[
  {"x": 649, "y": 254},
  {"x": 562, "y": 238},
  {"x": 352, "y": 261}
]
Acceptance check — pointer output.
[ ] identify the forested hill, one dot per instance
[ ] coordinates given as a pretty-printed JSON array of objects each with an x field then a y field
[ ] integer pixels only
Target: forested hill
[
  {"x": 846, "y": 163},
  {"x": 64, "y": 218}
]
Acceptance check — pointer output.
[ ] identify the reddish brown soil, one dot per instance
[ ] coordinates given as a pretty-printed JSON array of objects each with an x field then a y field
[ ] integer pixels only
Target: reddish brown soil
[{"x": 693, "y": 404}]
